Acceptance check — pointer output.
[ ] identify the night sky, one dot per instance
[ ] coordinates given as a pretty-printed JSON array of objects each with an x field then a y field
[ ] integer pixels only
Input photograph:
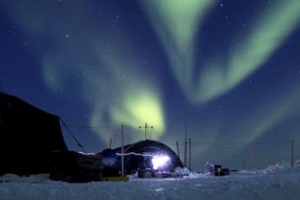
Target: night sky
[{"x": 224, "y": 73}]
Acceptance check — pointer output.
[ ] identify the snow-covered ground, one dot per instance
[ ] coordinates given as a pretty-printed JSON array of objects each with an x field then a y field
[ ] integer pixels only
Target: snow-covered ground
[{"x": 276, "y": 182}]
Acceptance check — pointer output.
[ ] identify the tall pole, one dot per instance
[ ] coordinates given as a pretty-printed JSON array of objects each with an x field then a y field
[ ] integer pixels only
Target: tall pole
[
  {"x": 190, "y": 154},
  {"x": 146, "y": 127},
  {"x": 122, "y": 157},
  {"x": 185, "y": 146},
  {"x": 292, "y": 153},
  {"x": 177, "y": 145},
  {"x": 145, "y": 131},
  {"x": 251, "y": 157}
]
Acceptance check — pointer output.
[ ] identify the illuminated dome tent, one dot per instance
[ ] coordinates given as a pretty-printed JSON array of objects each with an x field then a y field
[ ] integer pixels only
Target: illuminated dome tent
[{"x": 147, "y": 154}]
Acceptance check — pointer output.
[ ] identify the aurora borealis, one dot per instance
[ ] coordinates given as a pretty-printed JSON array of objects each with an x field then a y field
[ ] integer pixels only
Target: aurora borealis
[{"x": 226, "y": 73}]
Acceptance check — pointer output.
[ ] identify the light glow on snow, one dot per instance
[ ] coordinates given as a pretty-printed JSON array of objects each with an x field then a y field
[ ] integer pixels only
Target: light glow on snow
[
  {"x": 160, "y": 161},
  {"x": 157, "y": 160}
]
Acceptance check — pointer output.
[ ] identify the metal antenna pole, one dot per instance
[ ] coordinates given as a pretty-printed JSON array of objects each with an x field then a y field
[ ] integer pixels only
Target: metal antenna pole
[
  {"x": 122, "y": 162},
  {"x": 145, "y": 131},
  {"x": 146, "y": 127},
  {"x": 177, "y": 145},
  {"x": 110, "y": 143},
  {"x": 185, "y": 146},
  {"x": 292, "y": 154},
  {"x": 190, "y": 154}
]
